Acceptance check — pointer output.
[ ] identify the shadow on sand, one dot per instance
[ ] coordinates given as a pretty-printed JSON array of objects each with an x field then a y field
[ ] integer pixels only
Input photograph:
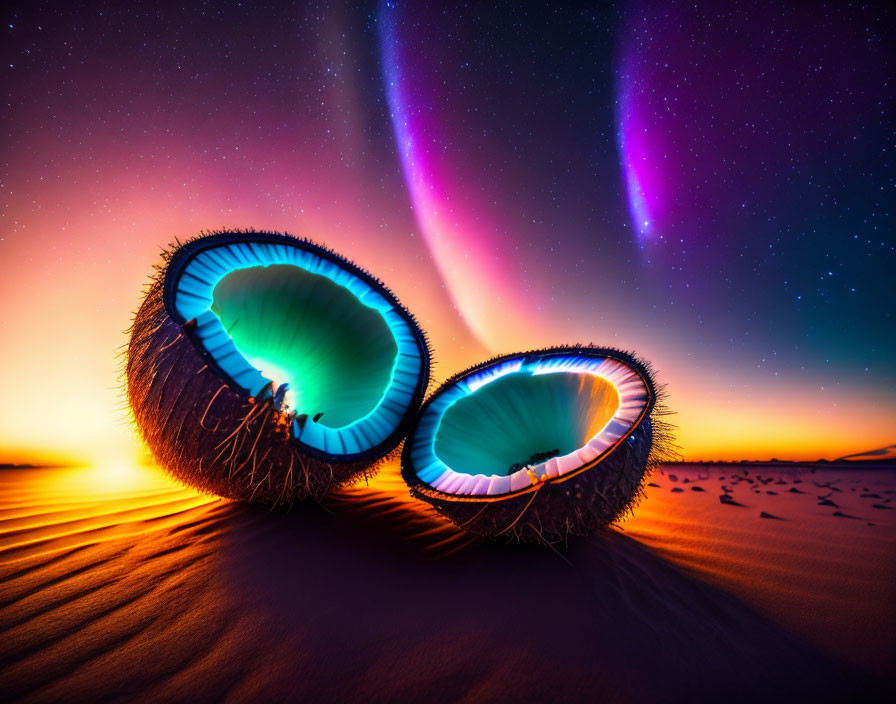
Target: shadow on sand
[{"x": 362, "y": 609}]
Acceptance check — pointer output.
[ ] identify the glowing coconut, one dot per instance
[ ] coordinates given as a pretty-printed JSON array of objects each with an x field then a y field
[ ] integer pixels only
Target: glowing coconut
[
  {"x": 264, "y": 367},
  {"x": 538, "y": 445}
]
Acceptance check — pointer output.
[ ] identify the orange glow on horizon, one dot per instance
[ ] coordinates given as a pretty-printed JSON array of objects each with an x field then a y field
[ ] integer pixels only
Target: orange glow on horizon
[{"x": 782, "y": 422}]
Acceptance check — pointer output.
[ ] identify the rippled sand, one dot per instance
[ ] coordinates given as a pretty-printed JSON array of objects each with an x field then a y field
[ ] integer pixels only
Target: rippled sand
[{"x": 123, "y": 585}]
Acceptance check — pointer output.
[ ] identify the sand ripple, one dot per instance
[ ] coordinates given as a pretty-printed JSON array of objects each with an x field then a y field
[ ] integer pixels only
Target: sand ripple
[{"x": 149, "y": 592}]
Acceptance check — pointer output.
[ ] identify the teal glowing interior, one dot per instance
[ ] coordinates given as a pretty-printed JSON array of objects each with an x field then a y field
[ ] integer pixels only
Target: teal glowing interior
[
  {"x": 506, "y": 423},
  {"x": 300, "y": 328},
  {"x": 274, "y": 311}
]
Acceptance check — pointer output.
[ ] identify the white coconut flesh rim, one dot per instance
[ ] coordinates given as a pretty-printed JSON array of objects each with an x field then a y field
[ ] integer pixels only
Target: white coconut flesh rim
[{"x": 476, "y": 439}]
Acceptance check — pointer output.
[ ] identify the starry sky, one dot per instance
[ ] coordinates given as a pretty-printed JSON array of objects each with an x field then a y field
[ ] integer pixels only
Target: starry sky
[{"x": 709, "y": 184}]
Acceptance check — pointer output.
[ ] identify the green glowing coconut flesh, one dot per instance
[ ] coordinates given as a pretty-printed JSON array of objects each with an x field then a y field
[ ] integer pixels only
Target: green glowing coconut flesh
[
  {"x": 302, "y": 329},
  {"x": 498, "y": 427}
]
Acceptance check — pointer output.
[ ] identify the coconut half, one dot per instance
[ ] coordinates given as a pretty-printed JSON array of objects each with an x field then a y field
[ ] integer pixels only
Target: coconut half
[
  {"x": 266, "y": 367},
  {"x": 538, "y": 445}
]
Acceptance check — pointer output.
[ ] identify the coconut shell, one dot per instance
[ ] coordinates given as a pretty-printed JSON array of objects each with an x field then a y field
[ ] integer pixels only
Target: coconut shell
[
  {"x": 589, "y": 500},
  {"x": 212, "y": 435}
]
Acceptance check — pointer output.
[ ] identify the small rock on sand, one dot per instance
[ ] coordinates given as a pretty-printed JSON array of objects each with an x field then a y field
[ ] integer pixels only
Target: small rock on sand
[
  {"x": 763, "y": 514},
  {"x": 726, "y": 499},
  {"x": 842, "y": 515},
  {"x": 677, "y": 489},
  {"x": 700, "y": 488},
  {"x": 794, "y": 490},
  {"x": 653, "y": 484},
  {"x": 884, "y": 506}
]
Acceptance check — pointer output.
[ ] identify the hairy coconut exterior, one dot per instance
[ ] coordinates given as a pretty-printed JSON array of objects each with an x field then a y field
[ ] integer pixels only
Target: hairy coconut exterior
[
  {"x": 215, "y": 437},
  {"x": 553, "y": 510}
]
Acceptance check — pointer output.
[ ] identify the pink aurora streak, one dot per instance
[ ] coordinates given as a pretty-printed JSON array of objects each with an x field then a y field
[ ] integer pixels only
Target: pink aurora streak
[{"x": 474, "y": 258}]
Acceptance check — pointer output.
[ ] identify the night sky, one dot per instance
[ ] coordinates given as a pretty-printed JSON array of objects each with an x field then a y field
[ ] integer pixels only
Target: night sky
[{"x": 709, "y": 184}]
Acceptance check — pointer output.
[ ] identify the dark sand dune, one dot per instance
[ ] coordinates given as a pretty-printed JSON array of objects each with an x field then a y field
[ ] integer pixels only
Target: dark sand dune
[{"x": 159, "y": 594}]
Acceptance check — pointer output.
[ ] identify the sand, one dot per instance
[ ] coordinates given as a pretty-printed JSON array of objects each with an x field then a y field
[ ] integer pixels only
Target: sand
[{"x": 128, "y": 587}]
